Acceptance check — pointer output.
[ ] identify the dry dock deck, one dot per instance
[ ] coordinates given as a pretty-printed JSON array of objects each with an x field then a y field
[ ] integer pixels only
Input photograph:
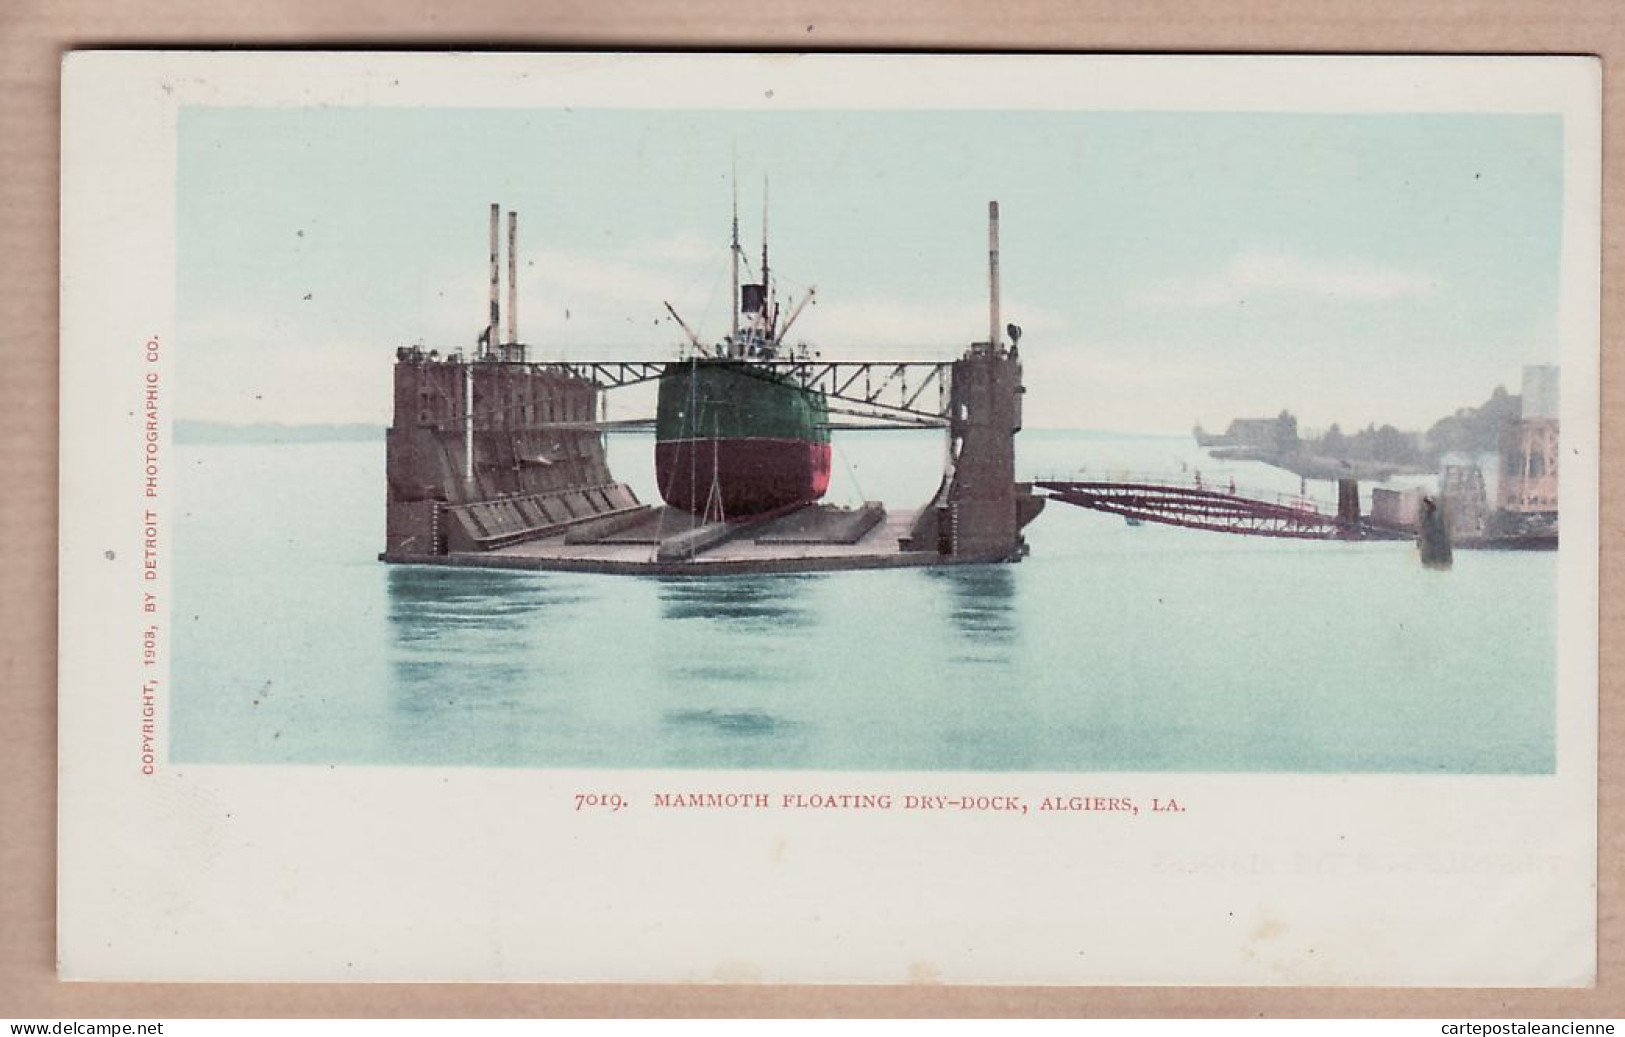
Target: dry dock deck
[{"x": 810, "y": 539}]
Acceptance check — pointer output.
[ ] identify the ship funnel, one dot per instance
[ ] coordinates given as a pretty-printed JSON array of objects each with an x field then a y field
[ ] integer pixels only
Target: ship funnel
[
  {"x": 993, "y": 275},
  {"x": 493, "y": 326}
]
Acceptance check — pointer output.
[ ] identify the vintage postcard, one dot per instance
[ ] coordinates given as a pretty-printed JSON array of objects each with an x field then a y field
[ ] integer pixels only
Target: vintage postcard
[{"x": 829, "y": 519}]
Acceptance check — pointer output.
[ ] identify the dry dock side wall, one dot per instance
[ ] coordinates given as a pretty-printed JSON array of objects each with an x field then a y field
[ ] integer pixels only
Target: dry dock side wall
[
  {"x": 980, "y": 509},
  {"x": 484, "y": 454}
]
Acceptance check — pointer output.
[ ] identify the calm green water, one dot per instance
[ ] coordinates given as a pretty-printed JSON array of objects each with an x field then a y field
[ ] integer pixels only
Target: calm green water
[{"x": 1110, "y": 649}]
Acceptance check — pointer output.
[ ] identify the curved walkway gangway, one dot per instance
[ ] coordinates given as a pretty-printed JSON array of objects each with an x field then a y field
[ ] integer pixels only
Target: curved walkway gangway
[{"x": 1192, "y": 504}]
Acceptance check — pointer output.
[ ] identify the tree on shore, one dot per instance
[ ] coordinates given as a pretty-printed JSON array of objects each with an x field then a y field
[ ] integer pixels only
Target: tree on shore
[
  {"x": 1475, "y": 430},
  {"x": 1333, "y": 443},
  {"x": 1286, "y": 433},
  {"x": 1470, "y": 430},
  {"x": 1384, "y": 445}
]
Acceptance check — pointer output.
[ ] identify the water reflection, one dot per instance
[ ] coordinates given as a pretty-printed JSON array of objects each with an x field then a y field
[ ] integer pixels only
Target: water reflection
[
  {"x": 981, "y": 608},
  {"x": 746, "y": 633},
  {"x": 750, "y": 602},
  {"x": 706, "y": 674},
  {"x": 462, "y": 656},
  {"x": 425, "y": 685},
  {"x": 747, "y": 722},
  {"x": 730, "y": 737},
  {"x": 427, "y": 602}
]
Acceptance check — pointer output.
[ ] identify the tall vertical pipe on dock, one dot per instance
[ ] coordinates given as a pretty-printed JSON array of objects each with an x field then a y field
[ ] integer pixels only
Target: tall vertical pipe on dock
[
  {"x": 993, "y": 275},
  {"x": 513, "y": 280},
  {"x": 468, "y": 425},
  {"x": 493, "y": 328}
]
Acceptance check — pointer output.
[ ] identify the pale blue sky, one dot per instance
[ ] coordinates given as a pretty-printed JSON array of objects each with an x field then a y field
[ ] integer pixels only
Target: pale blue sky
[{"x": 1167, "y": 267}]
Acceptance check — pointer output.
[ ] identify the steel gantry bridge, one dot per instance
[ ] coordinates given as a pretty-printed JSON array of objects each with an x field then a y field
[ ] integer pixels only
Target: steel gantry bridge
[
  {"x": 908, "y": 394},
  {"x": 1217, "y": 509}
]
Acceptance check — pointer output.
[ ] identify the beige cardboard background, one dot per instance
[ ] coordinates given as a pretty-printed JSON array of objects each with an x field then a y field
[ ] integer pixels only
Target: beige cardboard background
[{"x": 32, "y": 37}]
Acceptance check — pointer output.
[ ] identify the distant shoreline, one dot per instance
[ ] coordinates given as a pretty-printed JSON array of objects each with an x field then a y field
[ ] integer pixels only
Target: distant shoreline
[
  {"x": 210, "y": 433},
  {"x": 1315, "y": 466},
  {"x": 270, "y": 432}
]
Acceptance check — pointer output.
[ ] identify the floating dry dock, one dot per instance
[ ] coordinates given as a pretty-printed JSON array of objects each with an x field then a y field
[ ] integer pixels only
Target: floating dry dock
[
  {"x": 495, "y": 461},
  {"x": 509, "y": 489}
]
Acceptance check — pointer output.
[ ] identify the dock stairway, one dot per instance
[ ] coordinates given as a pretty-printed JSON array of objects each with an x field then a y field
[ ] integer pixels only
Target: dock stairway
[{"x": 492, "y": 524}]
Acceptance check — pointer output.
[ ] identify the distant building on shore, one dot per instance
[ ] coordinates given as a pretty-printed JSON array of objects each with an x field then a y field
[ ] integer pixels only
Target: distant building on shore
[
  {"x": 1529, "y": 449},
  {"x": 1277, "y": 433}
]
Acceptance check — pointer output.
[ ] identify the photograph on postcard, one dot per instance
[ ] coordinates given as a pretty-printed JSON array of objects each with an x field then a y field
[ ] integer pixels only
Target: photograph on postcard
[
  {"x": 851, "y": 392},
  {"x": 699, "y": 437}
]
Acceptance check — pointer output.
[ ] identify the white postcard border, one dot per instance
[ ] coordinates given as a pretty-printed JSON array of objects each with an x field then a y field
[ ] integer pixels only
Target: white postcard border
[{"x": 300, "y": 873}]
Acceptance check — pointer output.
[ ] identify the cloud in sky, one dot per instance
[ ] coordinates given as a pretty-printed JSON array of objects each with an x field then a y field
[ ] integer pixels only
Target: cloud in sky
[
  {"x": 336, "y": 380},
  {"x": 684, "y": 247},
  {"x": 594, "y": 302},
  {"x": 1104, "y": 383},
  {"x": 587, "y": 302},
  {"x": 1340, "y": 266},
  {"x": 876, "y": 327},
  {"x": 1257, "y": 275}
]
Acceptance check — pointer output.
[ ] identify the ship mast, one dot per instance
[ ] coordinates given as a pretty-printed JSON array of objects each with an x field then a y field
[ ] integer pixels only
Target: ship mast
[
  {"x": 769, "y": 318},
  {"x": 733, "y": 333}
]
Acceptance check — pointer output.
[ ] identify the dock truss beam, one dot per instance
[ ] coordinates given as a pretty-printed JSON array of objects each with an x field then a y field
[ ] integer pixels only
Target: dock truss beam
[{"x": 911, "y": 393}]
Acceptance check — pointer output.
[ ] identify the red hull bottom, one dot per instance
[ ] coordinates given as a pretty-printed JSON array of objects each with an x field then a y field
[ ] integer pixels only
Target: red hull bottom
[{"x": 754, "y": 476}]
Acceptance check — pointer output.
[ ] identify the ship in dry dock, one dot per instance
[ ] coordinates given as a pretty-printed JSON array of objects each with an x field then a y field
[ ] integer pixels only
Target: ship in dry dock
[
  {"x": 496, "y": 459},
  {"x": 736, "y": 437}
]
